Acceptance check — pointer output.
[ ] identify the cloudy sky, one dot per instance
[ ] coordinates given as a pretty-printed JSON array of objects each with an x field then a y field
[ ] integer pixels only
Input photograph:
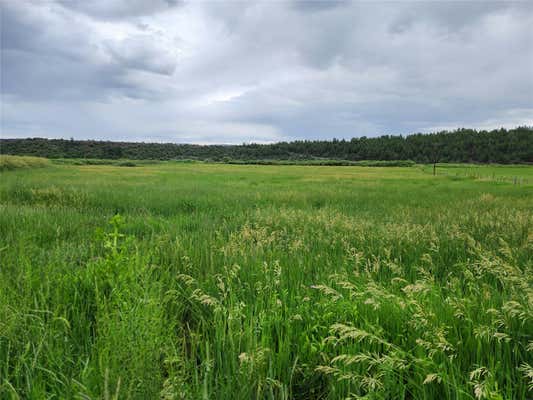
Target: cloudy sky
[{"x": 233, "y": 72}]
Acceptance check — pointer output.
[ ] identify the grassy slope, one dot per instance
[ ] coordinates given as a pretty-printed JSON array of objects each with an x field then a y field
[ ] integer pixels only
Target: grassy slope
[
  {"x": 226, "y": 281},
  {"x": 8, "y": 163}
]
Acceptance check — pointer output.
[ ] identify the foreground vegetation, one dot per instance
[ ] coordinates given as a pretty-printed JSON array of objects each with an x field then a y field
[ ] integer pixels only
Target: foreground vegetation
[{"x": 200, "y": 281}]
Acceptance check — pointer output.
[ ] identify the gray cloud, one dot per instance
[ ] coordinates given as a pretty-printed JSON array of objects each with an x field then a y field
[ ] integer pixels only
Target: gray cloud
[
  {"x": 266, "y": 71},
  {"x": 116, "y": 9},
  {"x": 145, "y": 52},
  {"x": 317, "y": 5}
]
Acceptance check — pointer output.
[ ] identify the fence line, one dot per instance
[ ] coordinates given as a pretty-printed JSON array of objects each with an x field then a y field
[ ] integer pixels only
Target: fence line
[{"x": 515, "y": 179}]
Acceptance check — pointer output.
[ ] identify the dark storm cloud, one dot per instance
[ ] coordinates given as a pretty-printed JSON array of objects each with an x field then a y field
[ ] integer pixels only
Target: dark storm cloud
[{"x": 262, "y": 71}]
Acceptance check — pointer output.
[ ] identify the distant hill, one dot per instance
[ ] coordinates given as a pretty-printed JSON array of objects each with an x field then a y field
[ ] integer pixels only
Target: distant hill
[{"x": 462, "y": 145}]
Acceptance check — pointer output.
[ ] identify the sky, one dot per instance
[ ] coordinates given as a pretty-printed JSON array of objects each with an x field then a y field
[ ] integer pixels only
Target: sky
[{"x": 236, "y": 72}]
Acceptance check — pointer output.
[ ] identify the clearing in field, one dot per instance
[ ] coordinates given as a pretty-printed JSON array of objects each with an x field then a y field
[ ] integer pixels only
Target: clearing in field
[{"x": 206, "y": 281}]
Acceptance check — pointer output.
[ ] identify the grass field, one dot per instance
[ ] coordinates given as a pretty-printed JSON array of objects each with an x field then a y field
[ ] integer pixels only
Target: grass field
[
  {"x": 515, "y": 174},
  {"x": 8, "y": 162},
  {"x": 204, "y": 281}
]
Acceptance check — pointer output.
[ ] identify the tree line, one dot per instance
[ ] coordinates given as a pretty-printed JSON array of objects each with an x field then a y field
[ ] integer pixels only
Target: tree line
[{"x": 463, "y": 145}]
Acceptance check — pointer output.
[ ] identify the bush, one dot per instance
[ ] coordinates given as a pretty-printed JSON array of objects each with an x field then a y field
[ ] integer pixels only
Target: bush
[{"x": 126, "y": 164}]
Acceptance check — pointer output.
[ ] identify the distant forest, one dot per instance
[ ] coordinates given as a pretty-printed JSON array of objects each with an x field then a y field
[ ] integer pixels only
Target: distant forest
[{"x": 463, "y": 145}]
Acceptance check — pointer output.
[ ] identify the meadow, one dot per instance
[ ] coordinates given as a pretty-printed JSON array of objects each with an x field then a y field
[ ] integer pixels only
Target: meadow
[
  {"x": 515, "y": 174},
  {"x": 8, "y": 162},
  {"x": 212, "y": 281}
]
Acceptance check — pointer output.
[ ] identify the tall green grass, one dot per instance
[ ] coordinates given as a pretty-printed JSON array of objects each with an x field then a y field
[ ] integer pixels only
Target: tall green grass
[
  {"x": 15, "y": 162},
  {"x": 200, "y": 281},
  {"x": 327, "y": 162},
  {"x": 96, "y": 161},
  {"x": 515, "y": 174}
]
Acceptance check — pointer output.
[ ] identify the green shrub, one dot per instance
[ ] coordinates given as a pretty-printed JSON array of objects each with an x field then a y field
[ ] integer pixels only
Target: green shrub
[{"x": 126, "y": 164}]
